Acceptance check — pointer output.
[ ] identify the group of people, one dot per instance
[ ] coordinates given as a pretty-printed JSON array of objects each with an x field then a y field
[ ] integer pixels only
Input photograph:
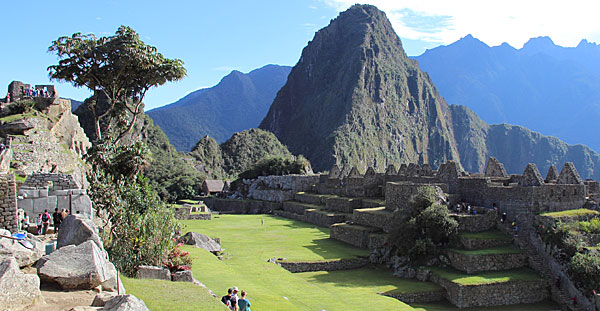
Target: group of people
[
  {"x": 235, "y": 303},
  {"x": 32, "y": 92},
  {"x": 465, "y": 208},
  {"x": 42, "y": 221}
]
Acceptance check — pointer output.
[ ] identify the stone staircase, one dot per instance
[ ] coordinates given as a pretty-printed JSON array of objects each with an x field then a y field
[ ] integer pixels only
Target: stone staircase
[
  {"x": 489, "y": 256},
  {"x": 361, "y": 222},
  {"x": 535, "y": 261}
]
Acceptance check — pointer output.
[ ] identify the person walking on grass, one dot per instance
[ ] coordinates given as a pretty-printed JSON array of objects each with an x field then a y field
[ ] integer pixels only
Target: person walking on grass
[
  {"x": 243, "y": 303},
  {"x": 234, "y": 299},
  {"x": 227, "y": 299}
]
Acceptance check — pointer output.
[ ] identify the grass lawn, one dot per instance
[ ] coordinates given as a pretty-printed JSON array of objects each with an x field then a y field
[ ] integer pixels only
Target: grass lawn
[
  {"x": 446, "y": 306},
  {"x": 485, "y": 235},
  {"x": 572, "y": 212},
  {"x": 165, "y": 295},
  {"x": 522, "y": 274},
  {"x": 508, "y": 249},
  {"x": 248, "y": 245}
]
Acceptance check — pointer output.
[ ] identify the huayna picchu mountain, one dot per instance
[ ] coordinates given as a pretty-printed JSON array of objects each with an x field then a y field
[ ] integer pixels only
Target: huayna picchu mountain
[{"x": 355, "y": 98}]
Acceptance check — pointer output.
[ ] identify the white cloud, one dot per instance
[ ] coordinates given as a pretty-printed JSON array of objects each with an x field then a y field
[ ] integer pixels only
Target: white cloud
[{"x": 494, "y": 22}]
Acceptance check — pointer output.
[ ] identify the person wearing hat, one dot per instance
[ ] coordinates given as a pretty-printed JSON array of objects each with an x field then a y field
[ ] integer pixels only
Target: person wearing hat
[{"x": 234, "y": 299}]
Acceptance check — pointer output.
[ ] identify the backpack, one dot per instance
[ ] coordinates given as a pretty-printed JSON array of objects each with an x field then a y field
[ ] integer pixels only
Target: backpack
[
  {"x": 45, "y": 217},
  {"x": 226, "y": 300}
]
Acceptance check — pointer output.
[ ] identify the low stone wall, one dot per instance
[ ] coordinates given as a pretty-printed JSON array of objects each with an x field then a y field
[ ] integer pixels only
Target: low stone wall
[
  {"x": 35, "y": 201},
  {"x": 476, "y": 223},
  {"x": 481, "y": 263},
  {"x": 324, "y": 219},
  {"x": 344, "y": 205},
  {"x": 309, "y": 198},
  {"x": 8, "y": 203},
  {"x": 418, "y": 297},
  {"x": 482, "y": 243},
  {"x": 497, "y": 294},
  {"x": 184, "y": 213},
  {"x": 379, "y": 218},
  {"x": 327, "y": 265},
  {"x": 377, "y": 240},
  {"x": 294, "y": 207},
  {"x": 271, "y": 195},
  {"x": 227, "y": 206},
  {"x": 206, "y": 216},
  {"x": 352, "y": 234}
]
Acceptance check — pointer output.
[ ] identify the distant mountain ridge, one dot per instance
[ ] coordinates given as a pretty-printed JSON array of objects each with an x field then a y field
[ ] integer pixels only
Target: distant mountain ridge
[
  {"x": 545, "y": 87},
  {"x": 238, "y": 102}
]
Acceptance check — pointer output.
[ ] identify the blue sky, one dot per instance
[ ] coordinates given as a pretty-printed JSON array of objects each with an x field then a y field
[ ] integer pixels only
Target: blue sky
[{"x": 215, "y": 37}]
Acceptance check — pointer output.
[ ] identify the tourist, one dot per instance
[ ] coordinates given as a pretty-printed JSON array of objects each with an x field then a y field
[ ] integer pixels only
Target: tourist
[
  {"x": 243, "y": 303},
  {"x": 503, "y": 219},
  {"x": 25, "y": 222},
  {"x": 234, "y": 298},
  {"x": 227, "y": 299},
  {"x": 38, "y": 223},
  {"x": 57, "y": 219},
  {"x": 45, "y": 222},
  {"x": 7, "y": 98},
  {"x": 515, "y": 229},
  {"x": 63, "y": 214}
]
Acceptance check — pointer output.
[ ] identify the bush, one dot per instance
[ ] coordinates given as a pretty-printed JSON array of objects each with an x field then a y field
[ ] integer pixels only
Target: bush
[
  {"x": 178, "y": 260},
  {"x": 424, "y": 198},
  {"x": 142, "y": 229},
  {"x": 562, "y": 236},
  {"x": 590, "y": 227},
  {"x": 436, "y": 224},
  {"x": 277, "y": 166},
  {"x": 585, "y": 269}
]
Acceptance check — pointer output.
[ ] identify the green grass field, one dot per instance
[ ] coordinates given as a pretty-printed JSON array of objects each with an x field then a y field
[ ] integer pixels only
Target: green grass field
[
  {"x": 248, "y": 245},
  {"x": 461, "y": 278},
  {"x": 572, "y": 212}
]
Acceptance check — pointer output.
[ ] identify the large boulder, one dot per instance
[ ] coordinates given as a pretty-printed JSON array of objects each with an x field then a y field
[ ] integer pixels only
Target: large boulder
[
  {"x": 76, "y": 267},
  {"x": 152, "y": 272},
  {"x": 18, "y": 290},
  {"x": 23, "y": 255},
  {"x": 125, "y": 303},
  {"x": 77, "y": 229},
  {"x": 113, "y": 283},
  {"x": 201, "y": 241}
]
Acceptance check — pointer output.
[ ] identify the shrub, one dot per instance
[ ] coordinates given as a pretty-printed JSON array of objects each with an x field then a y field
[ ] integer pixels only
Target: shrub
[
  {"x": 585, "y": 269},
  {"x": 590, "y": 227},
  {"x": 562, "y": 236},
  {"x": 424, "y": 198},
  {"x": 178, "y": 260},
  {"x": 277, "y": 166},
  {"x": 436, "y": 224}
]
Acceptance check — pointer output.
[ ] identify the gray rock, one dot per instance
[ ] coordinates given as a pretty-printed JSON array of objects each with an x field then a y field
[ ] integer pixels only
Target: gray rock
[
  {"x": 75, "y": 230},
  {"x": 23, "y": 255},
  {"x": 17, "y": 289},
  {"x": 113, "y": 283},
  {"x": 152, "y": 272},
  {"x": 423, "y": 275},
  {"x": 76, "y": 267},
  {"x": 102, "y": 298},
  {"x": 201, "y": 241},
  {"x": 125, "y": 303},
  {"x": 183, "y": 276}
]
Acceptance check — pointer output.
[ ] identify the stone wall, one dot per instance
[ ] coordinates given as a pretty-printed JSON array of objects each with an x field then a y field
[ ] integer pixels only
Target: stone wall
[
  {"x": 476, "y": 223},
  {"x": 5, "y": 158},
  {"x": 417, "y": 297},
  {"x": 227, "y": 206},
  {"x": 481, "y": 263},
  {"x": 498, "y": 294},
  {"x": 35, "y": 201},
  {"x": 398, "y": 194},
  {"x": 326, "y": 265},
  {"x": 53, "y": 181},
  {"x": 352, "y": 234},
  {"x": 8, "y": 203}
]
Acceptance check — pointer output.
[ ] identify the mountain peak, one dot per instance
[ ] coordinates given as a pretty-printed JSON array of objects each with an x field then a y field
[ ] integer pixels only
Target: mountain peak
[{"x": 539, "y": 43}]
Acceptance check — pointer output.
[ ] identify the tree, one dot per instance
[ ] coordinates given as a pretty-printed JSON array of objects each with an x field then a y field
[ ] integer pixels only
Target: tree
[{"x": 122, "y": 68}]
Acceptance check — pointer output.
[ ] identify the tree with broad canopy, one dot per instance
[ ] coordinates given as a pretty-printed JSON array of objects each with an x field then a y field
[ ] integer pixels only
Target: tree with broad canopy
[{"x": 121, "y": 67}]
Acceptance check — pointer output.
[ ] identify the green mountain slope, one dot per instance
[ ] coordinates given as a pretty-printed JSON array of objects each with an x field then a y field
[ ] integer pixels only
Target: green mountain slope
[{"x": 237, "y": 103}]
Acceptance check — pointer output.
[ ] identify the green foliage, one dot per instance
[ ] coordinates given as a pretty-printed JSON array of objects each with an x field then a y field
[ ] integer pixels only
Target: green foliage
[
  {"x": 424, "y": 198},
  {"x": 121, "y": 67},
  {"x": 585, "y": 269},
  {"x": 138, "y": 228},
  {"x": 277, "y": 166},
  {"x": 423, "y": 235},
  {"x": 169, "y": 174},
  {"x": 590, "y": 227},
  {"x": 178, "y": 260},
  {"x": 142, "y": 229},
  {"x": 562, "y": 236}
]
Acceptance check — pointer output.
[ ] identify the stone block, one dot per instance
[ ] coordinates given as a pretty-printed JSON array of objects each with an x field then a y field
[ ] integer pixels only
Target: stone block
[
  {"x": 58, "y": 192},
  {"x": 152, "y": 272},
  {"x": 26, "y": 205},
  {"x": 43, "y": 192},
  {"x": 29, "y": 193},
  {"x": 81, "y": 204},
  {"x": 52, "y": 203},
  {"x": 40, "y": 205},
  {"x": 63, "y": 202},
  {"x": 183, "y": 276}
]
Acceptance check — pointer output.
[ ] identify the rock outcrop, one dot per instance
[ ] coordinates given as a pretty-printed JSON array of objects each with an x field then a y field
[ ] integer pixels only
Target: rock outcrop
[
  {"x": 76, "y": 267},
  {"x": 75, "y": 230},
  {"x": 17, "y": 289},
  {"x": 125, "y": 303},
  {"x": 201, "y": 241}
]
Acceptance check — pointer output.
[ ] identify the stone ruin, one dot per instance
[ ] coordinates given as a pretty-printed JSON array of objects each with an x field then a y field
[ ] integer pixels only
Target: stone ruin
[
  {"x": 18, "y": 90},
  {"x": 494, "y": 168},
  {"x": 46, "y": 191}
]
